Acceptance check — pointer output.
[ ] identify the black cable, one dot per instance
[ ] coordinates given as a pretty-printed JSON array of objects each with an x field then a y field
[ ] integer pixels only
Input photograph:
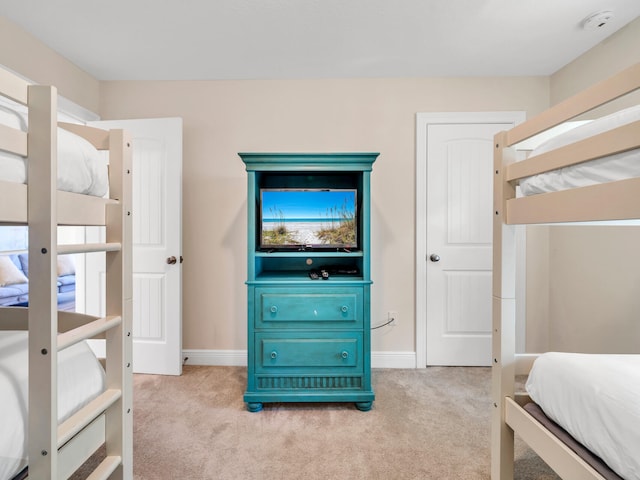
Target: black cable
[{"x": 384, "y": 324}]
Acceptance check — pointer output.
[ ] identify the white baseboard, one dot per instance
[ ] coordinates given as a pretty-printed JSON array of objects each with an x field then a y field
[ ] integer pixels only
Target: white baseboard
[
  {"x": 238, "y": 358},
  {"x": 393, "y": 359},
  {"x": 226, "y": 358}
]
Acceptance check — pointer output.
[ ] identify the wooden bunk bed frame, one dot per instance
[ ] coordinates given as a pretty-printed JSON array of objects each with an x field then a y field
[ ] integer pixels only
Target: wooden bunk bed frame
[
  {"x": 575, "y": 205},
  {"x": 56, "y": 451}
]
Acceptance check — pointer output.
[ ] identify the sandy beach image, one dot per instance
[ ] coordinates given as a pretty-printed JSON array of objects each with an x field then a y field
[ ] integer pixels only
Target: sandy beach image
[
  {"x": 301, "y": 233},
  {"x": 308, "y": 217}
]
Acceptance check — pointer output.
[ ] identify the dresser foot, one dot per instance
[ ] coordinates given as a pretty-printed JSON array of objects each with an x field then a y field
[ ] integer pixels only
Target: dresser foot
[
  {"x": 254, "y": 406},
  {"x": 364, "y": 406}
]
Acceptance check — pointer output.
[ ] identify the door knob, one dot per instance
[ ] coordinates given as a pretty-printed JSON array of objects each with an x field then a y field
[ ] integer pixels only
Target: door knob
[
  {"x": 434, "y": 257},
  {"x": 172, "y": 260}
]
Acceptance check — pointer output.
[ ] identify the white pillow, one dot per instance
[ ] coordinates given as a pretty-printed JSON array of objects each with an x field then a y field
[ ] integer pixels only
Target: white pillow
[
  {"x": 9, "y": 273},
  {"x": 66, "y": 265},
  {"x": 600, "y": 125}
]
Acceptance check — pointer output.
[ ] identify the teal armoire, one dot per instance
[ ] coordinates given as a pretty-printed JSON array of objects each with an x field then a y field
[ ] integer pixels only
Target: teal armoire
[{"x": 308, "y": 309}]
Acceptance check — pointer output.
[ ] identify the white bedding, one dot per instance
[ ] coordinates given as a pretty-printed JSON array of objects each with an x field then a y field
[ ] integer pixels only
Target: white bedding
[
  {"x": 596, "y": 398},
  {"x": 607, "y": 169},
  {"x": 80, "y": 379},
  {"x": 81, "y": 168}
]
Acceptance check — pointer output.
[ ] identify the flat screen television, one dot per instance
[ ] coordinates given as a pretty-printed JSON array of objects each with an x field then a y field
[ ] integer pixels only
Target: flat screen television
[{"x": 292, "y": 218}]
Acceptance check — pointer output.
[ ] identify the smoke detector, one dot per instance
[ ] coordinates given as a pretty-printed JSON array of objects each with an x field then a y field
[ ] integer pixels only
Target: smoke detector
[{"x": 598, "y": 20}]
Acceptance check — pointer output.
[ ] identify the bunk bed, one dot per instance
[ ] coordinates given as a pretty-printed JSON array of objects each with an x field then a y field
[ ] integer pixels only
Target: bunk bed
[
  {"x": 59, "y": 433},
  {"x": 549, "y": 431}
]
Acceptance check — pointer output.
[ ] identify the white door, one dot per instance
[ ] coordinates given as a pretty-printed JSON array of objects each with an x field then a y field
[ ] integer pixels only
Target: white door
[
  {"x": 157, "y": 245},
  {"x": 459, "y": 242}
]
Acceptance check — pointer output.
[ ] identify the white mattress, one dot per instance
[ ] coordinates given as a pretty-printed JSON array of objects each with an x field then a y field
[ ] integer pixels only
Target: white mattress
[
  {"x": 80, "y": 379},
  {"x": 81, "y": 168},
  {"x": 596, "y": 398},
  {"x": 602, "y": 170}
]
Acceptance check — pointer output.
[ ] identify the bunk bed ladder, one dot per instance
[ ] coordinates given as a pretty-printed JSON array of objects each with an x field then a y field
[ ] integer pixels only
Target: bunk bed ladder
[{"x": 56, "y": 451}]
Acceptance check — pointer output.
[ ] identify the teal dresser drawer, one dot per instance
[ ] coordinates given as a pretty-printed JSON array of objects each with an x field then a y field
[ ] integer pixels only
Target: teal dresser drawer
[
  {"x": 313, "y": 351},
  {"x": 309, "y": 307}
]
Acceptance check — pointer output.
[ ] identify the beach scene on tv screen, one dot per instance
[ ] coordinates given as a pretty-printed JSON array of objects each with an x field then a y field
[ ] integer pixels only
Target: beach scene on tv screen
[{"x": 309, "y": 217}]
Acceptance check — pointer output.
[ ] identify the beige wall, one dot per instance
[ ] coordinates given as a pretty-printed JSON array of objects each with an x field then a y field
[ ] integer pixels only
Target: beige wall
[
  {"x": 222, "y": 118},
  {"x": 593, "y": 273},
  {"x": 616, "y": 53},
  {"x": 24, "y": 54},
  {"x": 594, "y": 289}
]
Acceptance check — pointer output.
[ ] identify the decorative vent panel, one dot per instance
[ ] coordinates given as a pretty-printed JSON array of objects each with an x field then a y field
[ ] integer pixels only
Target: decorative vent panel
[{"x": 308, "y": 383}]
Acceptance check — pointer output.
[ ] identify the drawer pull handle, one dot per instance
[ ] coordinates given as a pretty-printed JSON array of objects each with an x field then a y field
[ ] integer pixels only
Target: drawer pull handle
[
  {"x": 344, "y": 309},
  {"x": 274, "y": 354},
  {"x": 273, "y": 309},
  {"x": 345, "y": 354}
]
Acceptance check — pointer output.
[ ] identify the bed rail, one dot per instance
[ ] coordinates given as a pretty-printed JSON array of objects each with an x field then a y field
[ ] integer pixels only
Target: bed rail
[
  {"x": 555, "y": 453},
  {"x": 72, "y": 208},
  {"x": 13, "y": 141},
  {"x": 579, "y": 204},
  {"x": 17, "y": 318},
  {"x": 97, "y": 137},
  {"x": 603, "y": 202},
  {"x": 14, "y": 87},
  {"x": 612, "y": 142},
  {"x": 587, "y": 100}
]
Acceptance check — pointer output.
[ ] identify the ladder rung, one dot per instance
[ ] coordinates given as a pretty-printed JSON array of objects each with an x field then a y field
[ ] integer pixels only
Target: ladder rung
[
  {"x": 14, "y": 252},
  {"x": 83, "y": 417},
  {"x": 88, "y": 330},
  {"x": 106, "y": 468},
  {"x": 89, "y": 247},
  {"x": 75, "y": 248},
  {"x": 79, "y": 448}
]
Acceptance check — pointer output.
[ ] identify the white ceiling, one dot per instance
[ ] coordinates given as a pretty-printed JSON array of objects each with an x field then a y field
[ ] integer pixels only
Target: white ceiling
[{"x": 249, "y": 39}]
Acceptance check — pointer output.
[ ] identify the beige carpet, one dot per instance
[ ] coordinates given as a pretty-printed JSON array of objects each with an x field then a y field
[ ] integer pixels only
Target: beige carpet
[{"x": 425, "y": 424}]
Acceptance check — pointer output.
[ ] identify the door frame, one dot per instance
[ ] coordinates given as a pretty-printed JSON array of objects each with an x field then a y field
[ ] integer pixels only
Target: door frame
[{"x": 423, "y": 120}]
